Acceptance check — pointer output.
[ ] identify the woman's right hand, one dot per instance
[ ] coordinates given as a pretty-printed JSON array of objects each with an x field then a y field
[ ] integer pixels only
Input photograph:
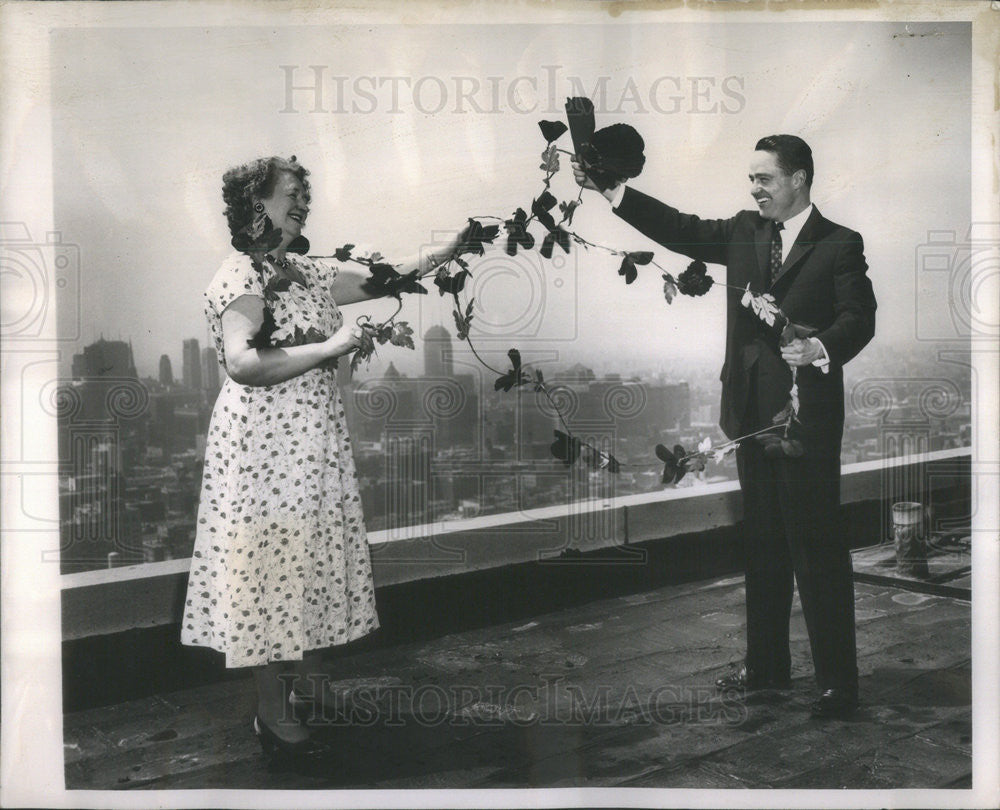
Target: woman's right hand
[{"x": 345, "y": 340}]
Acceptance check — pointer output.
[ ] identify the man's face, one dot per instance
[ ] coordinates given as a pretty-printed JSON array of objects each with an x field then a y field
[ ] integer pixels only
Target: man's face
[{"x": 777, "y": 193}]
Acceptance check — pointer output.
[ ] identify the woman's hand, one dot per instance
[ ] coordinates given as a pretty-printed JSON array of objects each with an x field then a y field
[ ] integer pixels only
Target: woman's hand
[
  {"x": 241, "y": 322},
  {"x": 345, "y": 340},
  {"x": 430, "y": 260}
]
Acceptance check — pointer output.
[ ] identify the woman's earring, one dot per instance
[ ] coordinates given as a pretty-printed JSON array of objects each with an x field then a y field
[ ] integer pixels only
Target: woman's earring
[
  {"x": 260, "y": 220},
  {"x": 258, "y": 235}
]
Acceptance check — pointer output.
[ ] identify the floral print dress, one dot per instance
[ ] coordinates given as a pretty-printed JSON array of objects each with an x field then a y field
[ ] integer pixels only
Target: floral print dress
[{"x": 281, "y": 562}]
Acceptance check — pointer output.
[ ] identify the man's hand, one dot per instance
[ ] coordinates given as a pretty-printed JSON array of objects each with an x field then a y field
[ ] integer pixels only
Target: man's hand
[
  {"x": 802, "y": 352},
  {"x": 581, "y": 176},
  {"x": 584, "y": 181}
]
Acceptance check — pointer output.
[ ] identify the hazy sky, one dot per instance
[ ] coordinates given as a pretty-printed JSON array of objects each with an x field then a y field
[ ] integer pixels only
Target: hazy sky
[{"x": 418, "y": 127}]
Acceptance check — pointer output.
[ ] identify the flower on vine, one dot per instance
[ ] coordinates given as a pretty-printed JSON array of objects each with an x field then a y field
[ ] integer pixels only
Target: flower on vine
[
  {"x": 551, "y": 130},
  {"x": 613, "y": 155},
  {"x": 695, "y": 280}
]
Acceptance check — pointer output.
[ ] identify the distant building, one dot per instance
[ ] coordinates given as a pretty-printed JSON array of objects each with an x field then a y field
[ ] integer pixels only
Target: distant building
[
  {"x": 210, "y": 373},
  {"x": 192, "y": 365},
  {"x": 438, "y": 353},
  {"x": 105, "y": 358},
  {"x": 166, "y": 371}
]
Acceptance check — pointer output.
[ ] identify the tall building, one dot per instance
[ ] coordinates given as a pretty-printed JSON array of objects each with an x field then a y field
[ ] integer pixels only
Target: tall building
[
  {"x": 210, "y": 372},
  {"x": 166, "y": 370},
  {"x": 105, "y": 358},
  {"x": 438, "y": 358},
  {"x": 192, "y": 365}
]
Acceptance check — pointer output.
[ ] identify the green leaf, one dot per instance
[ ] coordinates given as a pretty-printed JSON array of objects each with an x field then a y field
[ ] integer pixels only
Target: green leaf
[
  {"x": 568, "y": 209},
  {"x": 566, "y": 448},
  {"x": 641, "y": 257},
  {"x": 669, "y": 288},
  {"x": 402, "y": 335},
  {"x": 550, "y": 159},
  {"x": 451, "y": 284},
  {"x": 461, "y": 325},
  {"x": 343, "y": 254},
  {"x": 784, "y": 416},
  {"x": 673, "y": 468},
  {"x": 517, "y": 233},
  {"x": 547, "y": 244},
  {"x": 540, "y": 209},
  {"x": 474, "y": 237},
  {"x": 795, "y": 331},
  {"x": 628, "y": 270}
]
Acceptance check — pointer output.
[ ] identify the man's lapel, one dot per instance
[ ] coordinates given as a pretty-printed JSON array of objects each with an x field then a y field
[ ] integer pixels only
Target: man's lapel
[{"x": 811, "y": 233}]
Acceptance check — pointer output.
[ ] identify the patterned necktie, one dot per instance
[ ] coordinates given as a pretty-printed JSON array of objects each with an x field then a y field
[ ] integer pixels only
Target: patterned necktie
[{"x": 776, "y": 251}]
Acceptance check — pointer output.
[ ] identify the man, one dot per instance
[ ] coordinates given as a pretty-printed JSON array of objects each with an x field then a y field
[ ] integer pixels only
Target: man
[{"x": 817, "y": 273}]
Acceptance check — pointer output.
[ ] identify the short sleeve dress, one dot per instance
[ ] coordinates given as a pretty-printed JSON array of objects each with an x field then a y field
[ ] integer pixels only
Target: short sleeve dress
[{"x": 281, "y": 563}]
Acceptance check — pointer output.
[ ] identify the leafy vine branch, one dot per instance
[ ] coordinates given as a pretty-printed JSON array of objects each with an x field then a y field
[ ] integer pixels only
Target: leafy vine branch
[{"x": 609, "y": 156}]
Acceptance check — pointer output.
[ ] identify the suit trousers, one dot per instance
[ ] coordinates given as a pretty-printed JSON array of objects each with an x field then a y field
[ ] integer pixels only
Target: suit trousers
[{"x": 793, "y": 529}]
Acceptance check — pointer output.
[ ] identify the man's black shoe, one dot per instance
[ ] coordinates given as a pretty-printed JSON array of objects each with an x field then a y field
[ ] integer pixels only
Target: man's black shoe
[
  {"x": 836, "y": 704},
  {"x": 745, "y": 679}
]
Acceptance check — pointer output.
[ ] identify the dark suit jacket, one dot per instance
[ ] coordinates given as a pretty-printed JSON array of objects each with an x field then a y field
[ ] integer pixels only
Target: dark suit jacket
[{"x": 822, "y": 284}]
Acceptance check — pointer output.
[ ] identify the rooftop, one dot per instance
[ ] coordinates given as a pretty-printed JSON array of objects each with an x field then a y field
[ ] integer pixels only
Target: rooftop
[
  {"x": 610, "y": 693},
  {"x": 559, "y": 647}
]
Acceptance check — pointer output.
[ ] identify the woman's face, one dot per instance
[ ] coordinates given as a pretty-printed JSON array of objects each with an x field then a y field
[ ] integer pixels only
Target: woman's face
[{"x": 287, "y": 206}]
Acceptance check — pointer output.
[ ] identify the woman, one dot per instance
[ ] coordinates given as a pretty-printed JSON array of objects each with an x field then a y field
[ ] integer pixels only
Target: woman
[{"x": 281, "y": 566}]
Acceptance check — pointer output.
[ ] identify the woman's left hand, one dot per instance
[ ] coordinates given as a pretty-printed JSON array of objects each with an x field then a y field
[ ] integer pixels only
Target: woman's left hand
[{"x": 435, "y": 257}]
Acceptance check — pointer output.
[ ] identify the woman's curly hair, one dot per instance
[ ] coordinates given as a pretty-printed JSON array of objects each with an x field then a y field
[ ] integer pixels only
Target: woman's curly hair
[{"x": 243, "y": 185}]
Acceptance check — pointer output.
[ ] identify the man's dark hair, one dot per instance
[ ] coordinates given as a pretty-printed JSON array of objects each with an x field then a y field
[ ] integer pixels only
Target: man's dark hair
[{"x": 792, "y": 154}]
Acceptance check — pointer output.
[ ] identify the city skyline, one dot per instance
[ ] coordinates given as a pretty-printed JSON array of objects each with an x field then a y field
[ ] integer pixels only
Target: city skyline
[{"x": 437, "y": 446}]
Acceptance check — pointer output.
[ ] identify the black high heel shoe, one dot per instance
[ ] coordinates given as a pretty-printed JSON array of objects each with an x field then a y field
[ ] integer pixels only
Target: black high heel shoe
[{"x": 279, "y": 750}]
